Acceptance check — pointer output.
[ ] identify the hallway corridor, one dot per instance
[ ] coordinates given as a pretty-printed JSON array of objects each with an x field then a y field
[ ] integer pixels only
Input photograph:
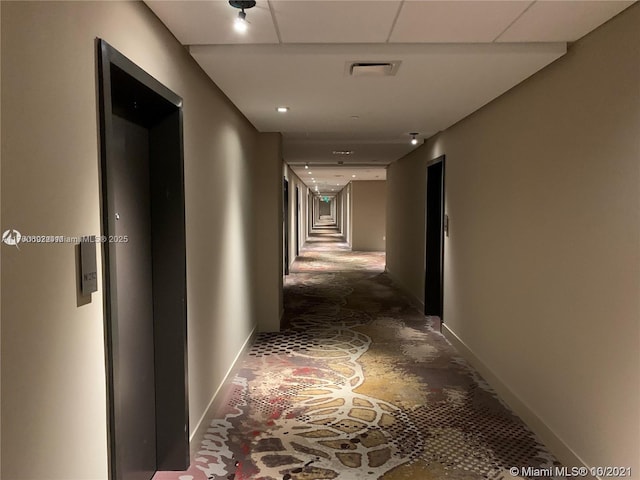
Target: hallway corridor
[{"x": 358, "y": 386}]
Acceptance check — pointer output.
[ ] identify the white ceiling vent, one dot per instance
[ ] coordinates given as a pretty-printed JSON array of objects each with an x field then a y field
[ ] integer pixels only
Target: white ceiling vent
[{"x": 372, "y": 69}]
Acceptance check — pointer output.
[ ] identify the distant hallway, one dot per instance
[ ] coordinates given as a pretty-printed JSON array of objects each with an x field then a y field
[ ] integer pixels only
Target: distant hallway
[{"x": 358, "y": 386}]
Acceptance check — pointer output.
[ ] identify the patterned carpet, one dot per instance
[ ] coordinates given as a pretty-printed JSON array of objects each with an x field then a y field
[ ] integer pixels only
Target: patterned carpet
[{"x": 358, "y": 386}]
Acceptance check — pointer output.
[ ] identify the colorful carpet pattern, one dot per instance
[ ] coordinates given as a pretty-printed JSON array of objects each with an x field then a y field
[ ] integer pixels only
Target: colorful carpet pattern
[{"x": 358, "y": 386}]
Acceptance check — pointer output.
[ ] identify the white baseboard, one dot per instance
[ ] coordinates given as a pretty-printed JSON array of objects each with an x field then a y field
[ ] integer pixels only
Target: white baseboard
[
  {"x": 415, "y": 301},
  {"x": 245, "y": 347},
  {"x": 555, "y": 444}
]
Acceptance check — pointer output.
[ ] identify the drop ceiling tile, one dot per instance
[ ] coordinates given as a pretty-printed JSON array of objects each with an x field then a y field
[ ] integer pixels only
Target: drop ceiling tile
[
  {"x": 341, "y": 21},
  {"x": 565, "y": 21},
  {"x": 319, "y": 154},
  {"x": 430, "y": 92},
  {"x": 334, "y": 179},
  {"x": 455, "y": 21},
  {"x": 211, "y": 22}
]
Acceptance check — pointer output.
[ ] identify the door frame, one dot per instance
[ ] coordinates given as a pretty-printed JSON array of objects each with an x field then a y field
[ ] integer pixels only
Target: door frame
[
  {"x": 168, "y": 256},
  {"x": 285, "y": 223},
  {"x": 297, "y": 221},
  {"x": 435, "y": 256}
]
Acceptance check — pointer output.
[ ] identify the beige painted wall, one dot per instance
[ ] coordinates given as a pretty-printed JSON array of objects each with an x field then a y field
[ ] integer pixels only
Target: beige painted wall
[
  {"x": 406, "y": 201},
  {"x": 542, "y": 266},
  {"x": 268, "y": 253},
  {"x": 53, "y": 373},
  {"x": 368, "y": 210}
]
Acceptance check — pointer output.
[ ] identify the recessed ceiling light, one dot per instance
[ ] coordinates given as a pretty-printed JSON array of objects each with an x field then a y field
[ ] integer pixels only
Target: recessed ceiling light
[
  {"x": 353, "y": 176},
  {"x": 282, "y": 109},
  {"x": 309, "y": 173}
]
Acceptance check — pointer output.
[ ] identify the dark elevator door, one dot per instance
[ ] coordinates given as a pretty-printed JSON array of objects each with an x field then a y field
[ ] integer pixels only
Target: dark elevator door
[{"x": 135, "y": 429}]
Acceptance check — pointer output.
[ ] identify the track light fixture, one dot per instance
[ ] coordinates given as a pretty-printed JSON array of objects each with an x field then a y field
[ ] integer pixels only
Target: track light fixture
[
  {"x": 414, "y": 140},
  {"x": 241, "y": 25}
]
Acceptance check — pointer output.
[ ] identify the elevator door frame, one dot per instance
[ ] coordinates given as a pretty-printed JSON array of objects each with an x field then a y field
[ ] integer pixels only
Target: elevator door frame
[
  {"x": 285, "y": 224},
  {"x": 125, "y": 90},
  {"x": 297, "y": 221}
]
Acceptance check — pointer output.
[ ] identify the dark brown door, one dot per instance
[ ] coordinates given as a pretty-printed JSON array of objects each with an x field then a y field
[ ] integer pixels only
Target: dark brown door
[
  {"x": 135, "y": 409},
  {"x": 434, "y": 264}
]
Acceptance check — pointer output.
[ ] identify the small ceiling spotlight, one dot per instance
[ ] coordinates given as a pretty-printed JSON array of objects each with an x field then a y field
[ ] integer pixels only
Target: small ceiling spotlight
[
  {"x": 281, "y": 109},
  {"x": 414, "y": 139},
  {"x": 353, "y": 176},
  {"x": 241, "y": 25},
  {"x": 306, "y": 166}
]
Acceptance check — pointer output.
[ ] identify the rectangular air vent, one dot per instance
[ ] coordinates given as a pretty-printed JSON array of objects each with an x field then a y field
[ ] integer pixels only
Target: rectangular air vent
[{"x": 373, "y": 69}]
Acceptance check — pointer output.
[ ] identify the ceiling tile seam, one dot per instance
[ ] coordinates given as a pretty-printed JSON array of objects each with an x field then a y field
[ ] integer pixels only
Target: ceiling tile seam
[
  {"x": 395, "y": 20},
  {"x": 514, "y": 21},
  {"x": 275, "y": 21}
]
